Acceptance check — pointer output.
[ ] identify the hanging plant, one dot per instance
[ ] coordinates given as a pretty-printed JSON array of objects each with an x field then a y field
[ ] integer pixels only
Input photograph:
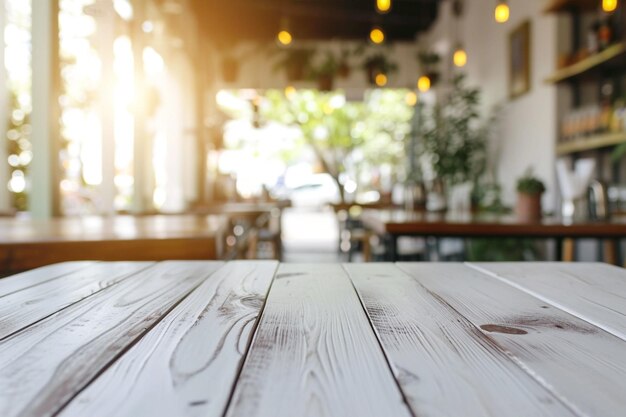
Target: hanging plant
[
  {"x": 325, "y": 73},
  {"x": 295, "y": 63},
  {"x": 429, "y": 63},
  {"x": 378, "y": 64}
]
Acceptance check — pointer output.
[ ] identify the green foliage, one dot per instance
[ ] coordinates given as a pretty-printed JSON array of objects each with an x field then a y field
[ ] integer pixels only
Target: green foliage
[
  {"x": 501, "y": 250},
  {"x": 453, "y": 138},
  {"x": 344, "y": 135},
  {"x": 380, "y": 63},
  {"x": 529, "y": 184},
  {"x": 328, "y": 67}
]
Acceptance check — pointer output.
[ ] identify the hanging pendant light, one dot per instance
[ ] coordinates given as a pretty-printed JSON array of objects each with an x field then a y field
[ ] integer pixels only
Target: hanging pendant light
[
  {"x": 377, "y": 35},
  {"x": 459, "y": 58},
  {"x": 424, "y": 83},
  {"x": 383, "y": 6},
  {"x": 284, "y": 36},
  {"x": 609, "y": 5},
  {"x": 502, "y": 12}
]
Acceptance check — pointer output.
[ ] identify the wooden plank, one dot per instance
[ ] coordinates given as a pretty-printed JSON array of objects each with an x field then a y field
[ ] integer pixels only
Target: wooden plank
[
  {"x": 314, "y": 353},
  {"x": 582, "y": 364},
  {"x": 187, "y": 364},
  {"x": 594, "y": 292},
  {"x": 27, "y": 279},
  {"x": 45, "y": 365},
  {"x": 20, "y": 309},
  {"x": 443, "y": 363}
]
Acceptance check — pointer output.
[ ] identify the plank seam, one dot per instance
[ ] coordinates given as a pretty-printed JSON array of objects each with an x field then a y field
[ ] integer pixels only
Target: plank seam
[
  {"x": 123, "y": 278},
  {"x": 245, "y": 354},
  {"x": 380, "y": 345},
  {"x": 123, "y": 351},
  {"x": 533, "y": 375},
  {"x": 48, "y": 280},
  {"x": 547, "y": 300}
]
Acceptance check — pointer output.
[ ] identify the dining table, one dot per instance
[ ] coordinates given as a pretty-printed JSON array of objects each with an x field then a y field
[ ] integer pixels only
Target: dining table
[
  {"x": 262, "y": 338},
  {"x": 395, "y": 223},
  {"x": 27, "y": 243}
]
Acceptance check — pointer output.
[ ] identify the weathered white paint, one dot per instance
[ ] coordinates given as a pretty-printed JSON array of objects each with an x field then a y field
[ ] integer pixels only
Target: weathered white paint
[
  {"x": 57, "y": 357},
  {"x": 443, "y": 363},
  {"x": 314, "y": 353},
  {"x": 595, "y": 292},
  {"x": 187, "y": 364},
  {"x": 584, "y": 366},
  {"x": 19, "y": 309}
]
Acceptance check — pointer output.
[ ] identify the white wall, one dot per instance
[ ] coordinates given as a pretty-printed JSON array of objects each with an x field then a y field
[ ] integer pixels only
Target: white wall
[{"x": 526, "y": 133}]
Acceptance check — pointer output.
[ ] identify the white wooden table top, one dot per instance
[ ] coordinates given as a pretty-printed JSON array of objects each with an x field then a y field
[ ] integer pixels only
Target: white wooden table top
[{"x": 258, "y": 338}]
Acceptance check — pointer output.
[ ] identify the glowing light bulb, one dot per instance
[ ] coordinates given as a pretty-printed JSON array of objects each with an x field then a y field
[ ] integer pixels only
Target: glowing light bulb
[
  {"x": 410, "y": 99},
  {"x": 502, "y": 12},
  {"x": 383, "y": 6},
  {"x": 284, "y": 37},
  {"x": 609, "y": 5},
  {"x": 290, "y": 91},
  {"x": 381, "y": 80},
  {"x": 460, "y": 57},
  {"x": 423, "y": 83},
  {"x": 377, "y": 36}
]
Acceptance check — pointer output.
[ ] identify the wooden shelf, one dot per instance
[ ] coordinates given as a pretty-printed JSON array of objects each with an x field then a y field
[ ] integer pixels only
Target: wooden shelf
[
  {"x": 587, "y": 64},
  {"x": 590, "y": 143},
  {"x": 555, "y": 6}
]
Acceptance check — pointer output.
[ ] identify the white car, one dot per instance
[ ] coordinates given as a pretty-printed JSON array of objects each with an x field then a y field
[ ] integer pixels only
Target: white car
[{"x": 315, "y": 191}]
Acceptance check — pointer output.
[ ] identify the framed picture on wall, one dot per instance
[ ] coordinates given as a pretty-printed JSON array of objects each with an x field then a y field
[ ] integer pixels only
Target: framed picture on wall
[{"x": 519, "y": 60}]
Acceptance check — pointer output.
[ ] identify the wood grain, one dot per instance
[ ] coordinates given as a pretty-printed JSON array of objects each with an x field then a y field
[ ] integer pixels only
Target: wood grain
[
  {"x": 594, "y": 292},
  {"x": 443, "y": 363},
  {"x": 583, "y": 365},
  {"x": 21, "y": 308},
  {"x": 187, "y": 364},
  {"x": 27, "y": 279},
  {"x": 314, "y": 353},
  {"x": 57, "y": 357}
]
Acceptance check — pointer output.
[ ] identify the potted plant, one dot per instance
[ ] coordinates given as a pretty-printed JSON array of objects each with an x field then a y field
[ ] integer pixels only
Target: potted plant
[
  {"x": 378, "y": 64},
  {"x": 529, "y": 191},
  {"x": 325, "y": 73},
  {"x": 295, "y": 63},
  {"x": 451, "y": 139}
]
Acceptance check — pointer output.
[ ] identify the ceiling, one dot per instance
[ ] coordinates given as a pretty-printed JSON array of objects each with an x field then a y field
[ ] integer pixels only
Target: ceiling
[{"x": 230, "y": 21}]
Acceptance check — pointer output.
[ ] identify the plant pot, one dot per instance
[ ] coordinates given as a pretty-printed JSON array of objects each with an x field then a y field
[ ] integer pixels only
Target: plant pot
[
  {"x": 230, "y": 70},
  {"x": 528, "y": 207},
  {"x": 343, "y": 71},
  {"x": 372, "y": 71},
  {"x": 325, "y": 82},
  {"x": 434, "y": 77}
]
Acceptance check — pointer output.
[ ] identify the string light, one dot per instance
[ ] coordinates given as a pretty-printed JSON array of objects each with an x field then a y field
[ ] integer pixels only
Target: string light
[
  {"x": 459, "y": 58},
  {"x": 410, "y": 99},
  {"x": 284, "y": 37},
  {"x": 381, "y": 80},
  {"x": 609, "y": 5},
  {"x": 502, "y": 12},
  {"x": 383, "y": 6},
  {"x": 290, "y": 91},
  {"x": 377, "y": 35},
  {"x": 423, "y": 83}
]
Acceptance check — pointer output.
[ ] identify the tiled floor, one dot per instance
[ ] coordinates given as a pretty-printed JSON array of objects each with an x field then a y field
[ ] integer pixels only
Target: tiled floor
[{"x": 310, "y": 236}]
